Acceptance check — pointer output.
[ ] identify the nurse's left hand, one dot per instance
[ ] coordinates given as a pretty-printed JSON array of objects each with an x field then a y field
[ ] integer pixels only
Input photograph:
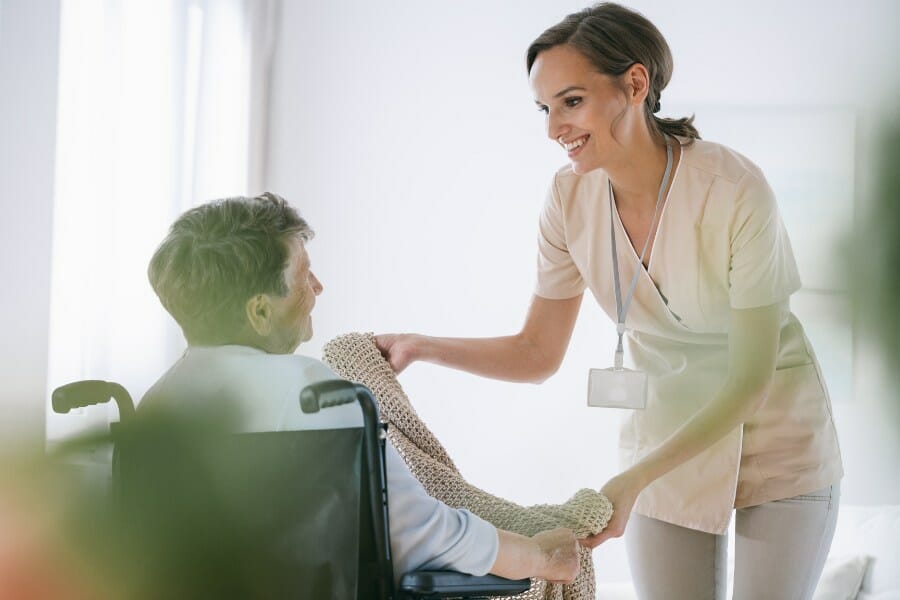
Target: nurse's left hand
[{"x": 622, "y": 491}]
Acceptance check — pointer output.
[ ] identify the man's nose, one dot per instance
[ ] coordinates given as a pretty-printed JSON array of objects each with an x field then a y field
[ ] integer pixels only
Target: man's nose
[{"x": 316, "y": 284}]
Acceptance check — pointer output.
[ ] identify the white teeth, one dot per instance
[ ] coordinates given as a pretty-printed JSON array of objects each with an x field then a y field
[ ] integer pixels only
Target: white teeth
[{"x": 575, "y": 144}]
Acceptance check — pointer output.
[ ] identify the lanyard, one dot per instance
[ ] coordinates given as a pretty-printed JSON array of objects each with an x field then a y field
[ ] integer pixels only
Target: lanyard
[{"x": 622, "y": 309}]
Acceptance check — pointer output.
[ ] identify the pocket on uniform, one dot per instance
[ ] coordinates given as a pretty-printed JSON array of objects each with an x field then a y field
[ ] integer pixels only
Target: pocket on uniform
[
  {"x": 792, "y": 431},
  {"x": 822, "y": 496}
]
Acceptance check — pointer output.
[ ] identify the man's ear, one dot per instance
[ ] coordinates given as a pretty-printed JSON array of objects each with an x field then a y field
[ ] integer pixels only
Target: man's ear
[{"x": 259, "y": 314}]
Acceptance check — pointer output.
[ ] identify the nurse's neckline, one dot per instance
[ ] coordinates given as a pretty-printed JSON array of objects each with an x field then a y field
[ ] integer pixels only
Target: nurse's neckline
[
  {"x": 642, "y": 205},
  {"x": 630, "y": 224}
]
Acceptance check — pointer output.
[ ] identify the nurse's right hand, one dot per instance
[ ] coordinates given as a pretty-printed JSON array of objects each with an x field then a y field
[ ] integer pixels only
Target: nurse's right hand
[{"x": 399, "y": 349}]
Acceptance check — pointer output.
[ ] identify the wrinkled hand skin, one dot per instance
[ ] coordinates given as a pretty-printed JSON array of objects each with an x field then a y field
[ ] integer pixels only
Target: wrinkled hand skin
[{"x": 560, "y": 549}]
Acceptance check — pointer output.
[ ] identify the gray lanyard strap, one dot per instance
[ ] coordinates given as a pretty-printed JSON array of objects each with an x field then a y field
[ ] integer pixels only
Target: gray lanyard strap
[{"x": 622, "y": 309}]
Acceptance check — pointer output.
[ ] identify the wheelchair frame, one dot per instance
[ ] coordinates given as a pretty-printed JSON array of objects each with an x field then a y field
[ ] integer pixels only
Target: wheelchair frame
[{"x": 313, "y": 398}]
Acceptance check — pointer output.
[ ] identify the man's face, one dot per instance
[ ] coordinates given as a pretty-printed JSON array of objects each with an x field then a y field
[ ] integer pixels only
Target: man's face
[{"x": 291, "y": 320}]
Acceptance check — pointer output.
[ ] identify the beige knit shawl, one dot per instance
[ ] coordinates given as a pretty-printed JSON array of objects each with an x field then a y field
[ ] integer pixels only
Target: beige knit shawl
[{"x": 355, "y": 357}]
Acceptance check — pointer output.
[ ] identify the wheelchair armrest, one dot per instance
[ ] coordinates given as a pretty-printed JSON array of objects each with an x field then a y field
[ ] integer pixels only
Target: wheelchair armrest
[{"x": 450, "y": 584}]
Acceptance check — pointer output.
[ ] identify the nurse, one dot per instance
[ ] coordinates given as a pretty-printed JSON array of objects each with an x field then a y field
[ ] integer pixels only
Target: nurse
[{"x": 680, "y": 242}]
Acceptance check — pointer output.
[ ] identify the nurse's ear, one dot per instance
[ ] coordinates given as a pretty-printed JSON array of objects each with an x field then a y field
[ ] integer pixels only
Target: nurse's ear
[{"x": 637, "y": 83}]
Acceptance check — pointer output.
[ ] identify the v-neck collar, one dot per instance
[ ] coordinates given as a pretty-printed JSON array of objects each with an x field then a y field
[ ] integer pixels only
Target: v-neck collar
[{"x": 662, "y": 215}]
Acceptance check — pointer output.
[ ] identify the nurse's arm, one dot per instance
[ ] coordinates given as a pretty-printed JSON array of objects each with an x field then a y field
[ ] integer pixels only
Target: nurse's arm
[
  {"x": 532, "y": 355},
  {"x": 752, "y": 350}
]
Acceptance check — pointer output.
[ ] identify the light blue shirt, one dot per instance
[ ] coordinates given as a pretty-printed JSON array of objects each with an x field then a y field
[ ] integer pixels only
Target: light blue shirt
[{"x": 265, "y": 390}]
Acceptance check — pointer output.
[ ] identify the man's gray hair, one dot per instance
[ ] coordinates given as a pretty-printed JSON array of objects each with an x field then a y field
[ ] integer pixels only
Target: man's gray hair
[{"x": 219, "y": 255}]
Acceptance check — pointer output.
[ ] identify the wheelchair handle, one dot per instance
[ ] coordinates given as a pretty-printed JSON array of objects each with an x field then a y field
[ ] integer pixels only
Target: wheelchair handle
[
  {"x": 89, "y": 392},
  {"x": 323, "y": 394},
  {"x": 335, "y": 392}
]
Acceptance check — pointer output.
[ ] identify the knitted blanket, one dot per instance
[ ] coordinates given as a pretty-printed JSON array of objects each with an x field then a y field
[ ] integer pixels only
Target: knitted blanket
[{"x": 355, "y": 357}]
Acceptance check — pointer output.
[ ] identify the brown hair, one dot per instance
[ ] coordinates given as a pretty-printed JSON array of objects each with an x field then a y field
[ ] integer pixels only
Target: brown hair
[
  {"x": 614, "y": 38},
  {"x": 219, "y": 255}
]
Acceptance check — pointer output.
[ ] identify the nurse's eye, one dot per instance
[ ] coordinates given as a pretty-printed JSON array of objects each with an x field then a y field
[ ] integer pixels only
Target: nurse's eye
[
  {"x": 573, "y": 101},
  {"x": 543, "y": 109}
]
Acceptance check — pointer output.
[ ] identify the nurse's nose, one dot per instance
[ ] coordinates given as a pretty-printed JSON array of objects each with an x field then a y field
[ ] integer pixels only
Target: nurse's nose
[{"x": 556, "y": 128}]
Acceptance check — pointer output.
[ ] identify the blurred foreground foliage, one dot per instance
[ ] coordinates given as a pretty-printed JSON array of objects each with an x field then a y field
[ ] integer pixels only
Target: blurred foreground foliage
[
  {"x": 875, "y": 258},
  {"x": 68, "y": 536}
]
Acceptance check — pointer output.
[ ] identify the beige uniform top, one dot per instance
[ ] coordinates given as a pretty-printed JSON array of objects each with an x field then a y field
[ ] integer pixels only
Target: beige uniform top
[{"x": 720, "y": 245}]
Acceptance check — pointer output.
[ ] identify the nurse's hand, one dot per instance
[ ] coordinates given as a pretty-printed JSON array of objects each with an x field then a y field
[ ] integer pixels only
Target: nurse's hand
[
  {"x": 622, "y": 490},
  {"x": 398, "y": 348}
]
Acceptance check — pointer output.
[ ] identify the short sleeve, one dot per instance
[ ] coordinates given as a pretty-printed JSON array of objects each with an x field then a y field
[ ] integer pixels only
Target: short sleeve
[
  {"x": 558, "y": 277},
  {"x": 763, "y": 270}
]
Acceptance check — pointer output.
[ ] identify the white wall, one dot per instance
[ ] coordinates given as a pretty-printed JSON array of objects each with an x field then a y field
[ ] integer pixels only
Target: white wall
[
  {"x": 406, "y": 134},
  {"x": 29, "y": 40}
]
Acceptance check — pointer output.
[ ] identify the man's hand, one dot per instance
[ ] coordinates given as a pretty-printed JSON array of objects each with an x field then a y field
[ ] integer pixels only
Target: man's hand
[
  {"x": 623, "y": 493},
  {"x": 560, "y": 550},
  {"x": 398, "y": 348},
  {"x": 551, "y": 555}
]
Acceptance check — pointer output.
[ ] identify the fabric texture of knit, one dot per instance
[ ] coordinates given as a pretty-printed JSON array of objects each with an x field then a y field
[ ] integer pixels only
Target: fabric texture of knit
[{"x": 355, "y": 357}]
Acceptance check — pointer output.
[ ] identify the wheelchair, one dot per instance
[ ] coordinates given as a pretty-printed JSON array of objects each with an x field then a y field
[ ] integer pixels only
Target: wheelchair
[{"x": 251, "y": 520}]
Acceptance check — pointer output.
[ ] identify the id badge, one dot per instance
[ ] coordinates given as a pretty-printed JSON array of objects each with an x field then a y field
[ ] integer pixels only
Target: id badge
[{"x": 617, "y": 388}]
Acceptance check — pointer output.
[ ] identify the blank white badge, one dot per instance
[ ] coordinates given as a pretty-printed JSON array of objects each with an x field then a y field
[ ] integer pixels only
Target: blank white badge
[{"x": 617, "y": 388}]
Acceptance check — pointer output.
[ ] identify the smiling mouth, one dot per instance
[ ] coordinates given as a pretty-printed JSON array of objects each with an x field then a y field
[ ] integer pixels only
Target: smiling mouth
[{"x": 574, "y": 144}]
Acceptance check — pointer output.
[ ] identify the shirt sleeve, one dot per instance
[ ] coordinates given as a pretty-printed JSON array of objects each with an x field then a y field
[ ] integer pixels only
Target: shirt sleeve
[
  {"x": 428, "y": 534},
  {"x": 558, "y": 277},
  {"x": 763, "y": 270}
]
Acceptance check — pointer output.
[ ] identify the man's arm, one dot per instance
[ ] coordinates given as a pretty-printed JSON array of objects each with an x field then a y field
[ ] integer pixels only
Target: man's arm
[
  {"x": 428, "y": 534},
  {"x": 550, "y": 555}
]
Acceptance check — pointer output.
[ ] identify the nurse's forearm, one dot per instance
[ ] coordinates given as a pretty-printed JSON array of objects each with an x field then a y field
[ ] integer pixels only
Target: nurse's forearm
[
  {"x": 509, "y": 358},
  {"x": 752, "y": 351},
  {"x": 532, "y": 355},
  {"x": 732, "y": 406}
]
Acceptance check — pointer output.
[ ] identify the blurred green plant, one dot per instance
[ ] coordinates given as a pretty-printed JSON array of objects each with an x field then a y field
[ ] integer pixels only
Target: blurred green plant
[
  {"x": 199, "y": 513},
  {"x": 875, "y": 257}
]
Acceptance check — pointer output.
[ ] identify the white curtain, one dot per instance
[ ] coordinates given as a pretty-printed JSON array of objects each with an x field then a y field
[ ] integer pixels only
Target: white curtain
[{"x": 162, "y": 106}]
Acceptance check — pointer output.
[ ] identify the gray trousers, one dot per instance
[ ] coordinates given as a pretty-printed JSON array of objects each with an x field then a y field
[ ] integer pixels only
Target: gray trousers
[{"x": 779, "y": 551}]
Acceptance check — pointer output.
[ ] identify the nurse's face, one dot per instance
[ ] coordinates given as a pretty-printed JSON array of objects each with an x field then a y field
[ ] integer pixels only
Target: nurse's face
[{"x": 583, "y": 107}]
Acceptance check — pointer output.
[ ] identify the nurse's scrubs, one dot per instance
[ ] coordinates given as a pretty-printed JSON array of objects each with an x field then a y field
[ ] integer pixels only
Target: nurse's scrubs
[{"x": 720, "y": 244}]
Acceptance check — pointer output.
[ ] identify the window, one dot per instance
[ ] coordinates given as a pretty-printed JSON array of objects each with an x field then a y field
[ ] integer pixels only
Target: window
[{"x": 156, "y": 105}]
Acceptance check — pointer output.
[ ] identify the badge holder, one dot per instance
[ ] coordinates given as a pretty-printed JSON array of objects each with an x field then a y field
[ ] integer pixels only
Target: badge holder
[{"x": 618, "y": 387}]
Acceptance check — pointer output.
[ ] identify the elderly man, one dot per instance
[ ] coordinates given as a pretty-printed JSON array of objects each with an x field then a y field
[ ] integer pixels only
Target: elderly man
[{"x": 235, "y": 275}]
